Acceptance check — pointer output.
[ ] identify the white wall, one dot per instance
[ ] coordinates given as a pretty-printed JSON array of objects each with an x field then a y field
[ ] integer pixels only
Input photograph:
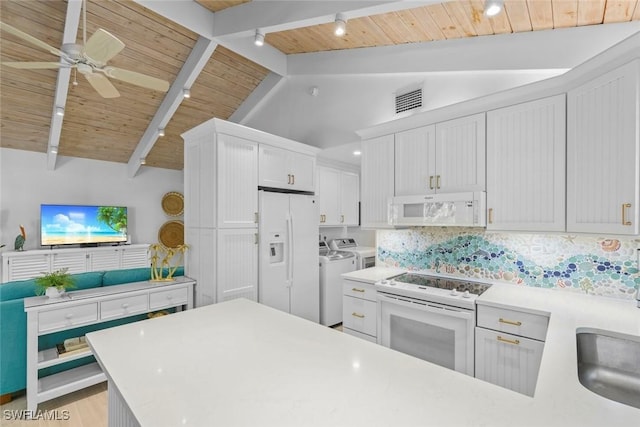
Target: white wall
[
  {"x": 25, "y": 183},
  {"x": 346, "y": 103}
]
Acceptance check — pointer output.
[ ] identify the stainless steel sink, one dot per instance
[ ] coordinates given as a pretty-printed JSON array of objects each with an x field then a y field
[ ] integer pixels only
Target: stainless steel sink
[{"x": 609, "y": 365}]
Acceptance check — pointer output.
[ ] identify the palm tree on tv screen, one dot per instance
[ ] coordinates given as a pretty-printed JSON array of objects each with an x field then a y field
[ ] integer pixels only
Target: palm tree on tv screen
[{"x": 114, "y": 217}]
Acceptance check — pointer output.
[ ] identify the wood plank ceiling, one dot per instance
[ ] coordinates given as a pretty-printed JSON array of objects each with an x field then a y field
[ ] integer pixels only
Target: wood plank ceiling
[
  {"x": 452, "y": 20},
  {"x": 110, "y": 129}
]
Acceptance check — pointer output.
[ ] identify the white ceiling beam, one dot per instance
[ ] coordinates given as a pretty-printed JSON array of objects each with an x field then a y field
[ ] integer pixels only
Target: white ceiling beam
[
  {"x": 192, "y": 67},
  {"x": 267, "y": 87},
  {"x": 74, "y": 7},
  {"x": 564, "y": 48},
  {"x": 271, "y": 16}
]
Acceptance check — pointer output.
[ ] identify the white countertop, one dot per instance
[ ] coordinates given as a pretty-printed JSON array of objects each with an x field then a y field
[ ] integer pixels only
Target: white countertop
[
  {"x": 372, "y": 274},
  {"x": 242, "y": 363}
]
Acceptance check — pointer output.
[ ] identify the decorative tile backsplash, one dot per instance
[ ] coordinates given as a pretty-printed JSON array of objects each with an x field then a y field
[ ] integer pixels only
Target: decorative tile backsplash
[{"x": 606, "y": 266}]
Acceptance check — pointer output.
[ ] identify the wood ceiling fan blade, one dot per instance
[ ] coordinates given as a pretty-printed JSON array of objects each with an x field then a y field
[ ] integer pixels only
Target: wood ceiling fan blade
[
  {"x": 137, "y": 79},
  {"x": 102, "y": 85},
  {"x": 102, "y": 46},
  {"x": 33, "y": 65},
  {"x": 24, "y": 36}
]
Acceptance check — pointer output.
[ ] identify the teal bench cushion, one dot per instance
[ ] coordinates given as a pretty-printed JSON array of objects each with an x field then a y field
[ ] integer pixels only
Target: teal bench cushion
[{"x": 118, "y": 277}]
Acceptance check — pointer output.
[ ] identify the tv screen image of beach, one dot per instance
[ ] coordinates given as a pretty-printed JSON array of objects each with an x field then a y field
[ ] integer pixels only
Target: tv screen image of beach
[{"x": 79, "y": 224}]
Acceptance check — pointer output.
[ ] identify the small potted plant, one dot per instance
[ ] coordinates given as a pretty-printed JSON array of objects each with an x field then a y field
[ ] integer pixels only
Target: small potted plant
[{"x": 54, "y": 284}]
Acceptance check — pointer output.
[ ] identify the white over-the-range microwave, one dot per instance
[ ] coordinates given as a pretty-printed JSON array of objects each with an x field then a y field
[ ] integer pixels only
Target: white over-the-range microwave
[{"x": 448, "y": 209}]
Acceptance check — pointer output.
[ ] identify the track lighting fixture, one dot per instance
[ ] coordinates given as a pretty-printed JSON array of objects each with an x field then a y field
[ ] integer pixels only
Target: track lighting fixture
[
  {"x": 161, "y": 132},
  {"x": 60, "y": 111},
  {"x": 259, "y": 39},
  {"x": 54, "y": 150},
  {"x": 493, "y": 7},
  {"x": 341, "y": 25},
  {"x": 186, "y": 93},
  {"x": 143, "y": 161}
]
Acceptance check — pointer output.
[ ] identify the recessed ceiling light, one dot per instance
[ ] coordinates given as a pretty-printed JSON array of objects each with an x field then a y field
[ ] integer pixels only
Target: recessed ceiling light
[
  {"x": 493, "y": 7},
  {"x": 357, "y": 152}
]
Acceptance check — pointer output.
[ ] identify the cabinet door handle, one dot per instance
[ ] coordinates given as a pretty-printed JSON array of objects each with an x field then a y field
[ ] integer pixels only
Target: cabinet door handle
[
  {"x": 354, "y": 314},
  {"x": 514, "y": 342},
  {"x": 341, "y": 218},
  {"x": 357, "y": 290},
  {"x": 288, "y": 178},
  {"x": 430, "y": 182},
  {"x": 624, "y": 219},
  {"x": 125, "y": 305},
  {"x": 293, "y": 179},
  {"x": 255, "y": 238},
  {"x": 510, "y": 322},
  {"x": 68, "y": 316},
  {"x": 255, "y": 217},
  {"x": 437, "y": 181},
  {"x": 490, "y": 215}
]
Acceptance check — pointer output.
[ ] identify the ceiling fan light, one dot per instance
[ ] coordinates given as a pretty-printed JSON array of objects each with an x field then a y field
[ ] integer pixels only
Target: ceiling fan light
[
  {"x": 340, "y": 25},
  {"x": 161, "y": 132},
  {"x": 186, "y": 93},
  {"x": 60, "y": 111},
  {"x": 493, "y": 7},
  {"x": 259, "y": 39}
]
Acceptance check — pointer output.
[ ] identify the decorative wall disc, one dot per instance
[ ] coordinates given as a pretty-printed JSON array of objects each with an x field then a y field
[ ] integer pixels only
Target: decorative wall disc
[
  {"x": 171, "y": 234},
  {"x": 173, "y": 203}
]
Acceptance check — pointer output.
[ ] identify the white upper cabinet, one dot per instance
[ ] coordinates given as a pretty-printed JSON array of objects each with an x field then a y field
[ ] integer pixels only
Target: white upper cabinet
[
  {"x": 447, "y": 157},
  {"x": 280, "y": 168},
  {"x": 603, "y": 153},
  {"x": 377, "y": 171},
  {"x": 460, "y": 155},
  {"x": 526, "y": 166},
  {"x": 238, "y": 179},
  {"x": 338, "y": 197},
  {"x": 415, "y": 161}
]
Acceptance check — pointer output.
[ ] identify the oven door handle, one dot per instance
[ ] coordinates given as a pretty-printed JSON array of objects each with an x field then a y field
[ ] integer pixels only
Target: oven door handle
[{"x": 431, "y": 307}]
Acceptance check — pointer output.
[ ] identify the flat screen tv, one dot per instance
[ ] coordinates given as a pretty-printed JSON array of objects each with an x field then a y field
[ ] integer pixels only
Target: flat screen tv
[{"x": 81, "y": 224}]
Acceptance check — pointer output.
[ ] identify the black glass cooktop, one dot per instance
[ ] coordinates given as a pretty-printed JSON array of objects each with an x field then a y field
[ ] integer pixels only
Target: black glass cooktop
[{"x": 442, "y": 283}]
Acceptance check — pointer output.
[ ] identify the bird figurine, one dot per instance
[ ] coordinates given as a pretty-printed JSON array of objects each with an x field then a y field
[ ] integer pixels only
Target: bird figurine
[{"x": 20, "y": 239}]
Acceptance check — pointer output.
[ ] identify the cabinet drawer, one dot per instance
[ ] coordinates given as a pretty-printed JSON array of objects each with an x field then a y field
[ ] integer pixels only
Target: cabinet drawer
[
  {"x": 359, "y": 290},
  {"x": 65, "y": 318},
  {"x": 122, "y": 307},
  {"x": 513, "y": 322},
  {"x": 359, "y": 315},
  {"x": 168, "y": 298}
]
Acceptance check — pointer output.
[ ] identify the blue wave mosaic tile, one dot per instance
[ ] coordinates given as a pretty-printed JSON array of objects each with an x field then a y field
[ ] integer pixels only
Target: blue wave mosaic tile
[{"x": 595, "y": 265}]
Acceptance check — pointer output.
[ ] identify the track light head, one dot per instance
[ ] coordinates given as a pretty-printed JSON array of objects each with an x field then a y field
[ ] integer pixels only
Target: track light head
[
  {"x": 340, "y": 25},
  {"x": 259, "y": 38},
  {"x": 60, "y": 111},
  {"x": 161, "y": 132},
  {"x": 186, "y": 93}
]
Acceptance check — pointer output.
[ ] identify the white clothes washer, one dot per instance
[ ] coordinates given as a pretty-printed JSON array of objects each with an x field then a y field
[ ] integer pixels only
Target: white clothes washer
[
  {"x": 332, "y": 265},
  {"x": 365, "y": 255}
]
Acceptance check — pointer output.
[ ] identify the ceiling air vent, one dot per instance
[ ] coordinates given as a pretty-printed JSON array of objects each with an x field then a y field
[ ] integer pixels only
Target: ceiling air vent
[{"x": 409, "y": 101}]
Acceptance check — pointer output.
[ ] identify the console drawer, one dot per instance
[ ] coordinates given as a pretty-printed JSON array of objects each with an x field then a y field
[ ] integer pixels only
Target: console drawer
[
  {"x": 170, "y": 298},
  {"x": 513, "y": 322},
  {"x": 69, "y": 317},
  {"x": 122, "y": 307}
]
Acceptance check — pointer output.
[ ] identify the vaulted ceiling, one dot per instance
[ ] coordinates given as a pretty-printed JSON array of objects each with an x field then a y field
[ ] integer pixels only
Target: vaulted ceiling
[{"x": 206, "y": 46}]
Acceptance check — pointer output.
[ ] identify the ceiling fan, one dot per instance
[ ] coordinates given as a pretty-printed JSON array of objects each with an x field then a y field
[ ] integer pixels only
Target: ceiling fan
[{"x": 90, "y": 59}]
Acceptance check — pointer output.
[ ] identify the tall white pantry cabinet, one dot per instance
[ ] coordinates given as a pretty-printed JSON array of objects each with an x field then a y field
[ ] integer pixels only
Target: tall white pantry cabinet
[{"x": 224, "y": 164}]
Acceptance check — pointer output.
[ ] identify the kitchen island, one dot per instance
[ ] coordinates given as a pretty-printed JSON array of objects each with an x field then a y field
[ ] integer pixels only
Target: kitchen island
[{"x": 242, "y": 363}]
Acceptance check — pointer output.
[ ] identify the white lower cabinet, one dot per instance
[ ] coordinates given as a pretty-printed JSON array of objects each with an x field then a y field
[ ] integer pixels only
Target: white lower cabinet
[
  {"x": 509, "y": 359},
  {"x": 237, "y": 264},
  {"x": 359, "y": 307}
]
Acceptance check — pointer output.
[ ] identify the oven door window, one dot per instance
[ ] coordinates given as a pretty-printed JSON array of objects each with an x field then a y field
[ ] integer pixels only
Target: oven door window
[{"x": 429, "y": 332}]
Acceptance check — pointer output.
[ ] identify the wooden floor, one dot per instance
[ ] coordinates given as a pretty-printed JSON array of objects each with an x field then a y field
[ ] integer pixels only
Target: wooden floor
[{"x": 84, "y": 408}]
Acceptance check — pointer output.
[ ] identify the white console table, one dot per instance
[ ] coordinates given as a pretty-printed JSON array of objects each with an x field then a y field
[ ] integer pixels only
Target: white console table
[
  {"x": 88, "y": 307},
  {"x": 20, "y": 265}
]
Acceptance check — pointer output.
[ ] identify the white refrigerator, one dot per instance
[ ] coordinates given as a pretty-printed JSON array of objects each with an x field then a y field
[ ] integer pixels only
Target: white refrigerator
[{"x": 288, "y": 257}]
